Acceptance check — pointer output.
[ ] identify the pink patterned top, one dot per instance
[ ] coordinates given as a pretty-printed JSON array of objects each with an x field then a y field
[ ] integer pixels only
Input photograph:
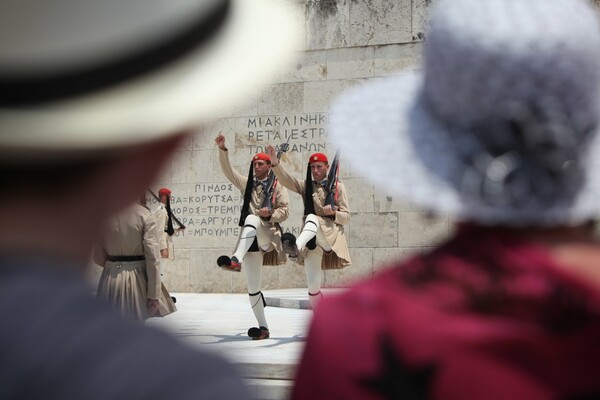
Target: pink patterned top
[{"x": 485, "y": 316}]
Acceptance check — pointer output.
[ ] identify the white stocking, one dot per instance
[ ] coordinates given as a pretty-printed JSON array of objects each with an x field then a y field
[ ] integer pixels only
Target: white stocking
[
  {"x": 312, "y": 264},
  {"x": 253, "y": 268},
  {"x": 263, "y": 237},
  {"x": 247, "y": 237},
  {"x": 309, "y": 231}
]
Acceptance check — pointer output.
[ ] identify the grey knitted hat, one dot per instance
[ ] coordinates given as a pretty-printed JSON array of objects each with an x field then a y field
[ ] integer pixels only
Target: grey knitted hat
[{"x": 501, "y": 125}]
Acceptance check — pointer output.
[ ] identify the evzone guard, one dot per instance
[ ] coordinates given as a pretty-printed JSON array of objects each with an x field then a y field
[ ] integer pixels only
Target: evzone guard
[
  {"x": 265, "y": 207},
  {"x": 322, "y": 242},
  {"x": 166, "y": 229}
]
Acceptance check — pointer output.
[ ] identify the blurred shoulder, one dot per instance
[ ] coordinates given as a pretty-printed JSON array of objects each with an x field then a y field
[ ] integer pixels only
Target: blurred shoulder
[
  {"x": 141, "y": 209},
  {"x": 367, "y": 296}
]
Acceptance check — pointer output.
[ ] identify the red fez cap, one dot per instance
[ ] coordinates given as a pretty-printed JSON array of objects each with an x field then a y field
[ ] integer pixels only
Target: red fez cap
[
  {"x": 318, "y": 157},
  {"x": 162, "y": 191},
  {"x": 261, "y": 156}
]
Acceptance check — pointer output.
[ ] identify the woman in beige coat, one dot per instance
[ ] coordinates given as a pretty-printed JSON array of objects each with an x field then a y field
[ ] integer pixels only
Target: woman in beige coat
[{"x": 128, "y": 250}]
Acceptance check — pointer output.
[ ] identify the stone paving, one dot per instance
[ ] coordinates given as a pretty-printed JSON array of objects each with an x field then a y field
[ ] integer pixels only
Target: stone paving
[{"x": 219, "y": 322}]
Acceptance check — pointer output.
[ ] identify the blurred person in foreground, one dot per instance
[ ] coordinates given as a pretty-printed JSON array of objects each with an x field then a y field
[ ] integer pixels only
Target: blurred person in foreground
[
  {"x": 500, "y": 132},
  {"x": 94, "y": 97}
]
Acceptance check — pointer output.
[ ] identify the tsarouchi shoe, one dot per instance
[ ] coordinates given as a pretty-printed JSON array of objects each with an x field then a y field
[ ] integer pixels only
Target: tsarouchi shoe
[
  {"x": 258, "y": 333},
  {"x": 288, "y": 242},
  {"x": 229, "y": 264}
]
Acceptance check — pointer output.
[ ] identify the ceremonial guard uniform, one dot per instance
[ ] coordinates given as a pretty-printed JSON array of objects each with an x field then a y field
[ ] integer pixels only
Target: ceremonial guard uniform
[
  {"x": 274, "y": 254},
  {"x": 166, "y": 230},
  {"x": 165, "y": 240},
  {"x": 260, "y": 239},
  {"x": 164, "y": 221},
  {"x": 128, "y": 250},
  {"x": 322, "y": 243}
]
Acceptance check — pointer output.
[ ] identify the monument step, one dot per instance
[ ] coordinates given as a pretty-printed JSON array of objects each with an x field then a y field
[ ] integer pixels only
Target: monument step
[
  {"x": 295, "y": 298},
  {"x": 270, "y": 389},
  {"x": 266, "y": 370},
  {"x": 288, "y": 303}
]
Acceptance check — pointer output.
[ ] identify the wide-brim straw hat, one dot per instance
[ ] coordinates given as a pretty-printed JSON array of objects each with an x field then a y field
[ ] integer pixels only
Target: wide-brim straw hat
[
  {"x": 102, "y": 74},
  {"x": 499, "y": 127}
]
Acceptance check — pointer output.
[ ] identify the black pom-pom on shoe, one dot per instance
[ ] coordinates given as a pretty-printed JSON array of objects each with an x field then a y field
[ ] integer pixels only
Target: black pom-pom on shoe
[
  {"x": 258, "y": 333},
  {"x": 288, "y": 242},
  {"x": 229, "y": 264}
]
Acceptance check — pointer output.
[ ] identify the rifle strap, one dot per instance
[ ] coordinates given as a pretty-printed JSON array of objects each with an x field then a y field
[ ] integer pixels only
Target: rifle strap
[{"x": 170, "y": 230}]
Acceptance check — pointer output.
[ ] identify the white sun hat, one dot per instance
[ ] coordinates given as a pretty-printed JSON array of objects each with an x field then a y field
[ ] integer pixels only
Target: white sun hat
[
  {"x": 499, "y": 126},
  {"x": 80, "y": 75}
]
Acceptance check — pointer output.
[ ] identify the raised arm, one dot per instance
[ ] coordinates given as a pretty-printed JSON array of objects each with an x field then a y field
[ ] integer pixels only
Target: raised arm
[
  {"x": 234, "y": 177},
  {"x": 284, "y": 178}
]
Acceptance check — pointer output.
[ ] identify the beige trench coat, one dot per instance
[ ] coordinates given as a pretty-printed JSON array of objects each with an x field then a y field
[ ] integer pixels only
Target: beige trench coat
[
  {"x": 128, "y": 285},
  {"x": 333, "y": 229},
  {"x": 274, "y": 255}
]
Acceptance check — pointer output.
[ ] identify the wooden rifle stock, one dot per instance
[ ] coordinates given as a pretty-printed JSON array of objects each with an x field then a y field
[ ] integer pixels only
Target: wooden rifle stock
[{"x": 177, "y": 221}]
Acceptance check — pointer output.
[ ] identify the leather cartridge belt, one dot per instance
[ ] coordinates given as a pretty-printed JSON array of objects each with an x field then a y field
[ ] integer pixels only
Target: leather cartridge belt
[{"x": 125, "y": 258}]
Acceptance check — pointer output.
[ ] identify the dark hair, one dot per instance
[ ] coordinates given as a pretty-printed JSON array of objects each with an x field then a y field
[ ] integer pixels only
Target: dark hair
[
  {"x": 247, "y": 196},
  {"x": 309, "y": 205}
]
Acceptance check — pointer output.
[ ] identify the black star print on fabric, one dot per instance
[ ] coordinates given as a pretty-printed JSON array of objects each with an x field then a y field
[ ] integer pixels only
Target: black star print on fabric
[{"x": 398, "y": 381}]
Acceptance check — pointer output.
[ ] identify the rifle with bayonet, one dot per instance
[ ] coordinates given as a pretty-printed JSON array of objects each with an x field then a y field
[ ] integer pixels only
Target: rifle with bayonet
[
  {"x": 181, "y": 226},
  {"x": 331, "y": 185},
  {"x": 270, "y": 186}
]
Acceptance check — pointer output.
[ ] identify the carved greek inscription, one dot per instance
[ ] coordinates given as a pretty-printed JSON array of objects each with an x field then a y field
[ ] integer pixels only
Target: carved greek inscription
[
  {"x": 306, "y": 132},
  {"x": 212, "y": 210}
]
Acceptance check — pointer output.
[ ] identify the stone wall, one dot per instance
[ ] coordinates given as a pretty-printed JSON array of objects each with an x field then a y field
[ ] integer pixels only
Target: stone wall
[{"x": 348, "y": 42}]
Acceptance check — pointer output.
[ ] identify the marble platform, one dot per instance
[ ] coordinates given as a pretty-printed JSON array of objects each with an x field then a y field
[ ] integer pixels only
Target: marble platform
[{"x": 219, "y": 322}]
